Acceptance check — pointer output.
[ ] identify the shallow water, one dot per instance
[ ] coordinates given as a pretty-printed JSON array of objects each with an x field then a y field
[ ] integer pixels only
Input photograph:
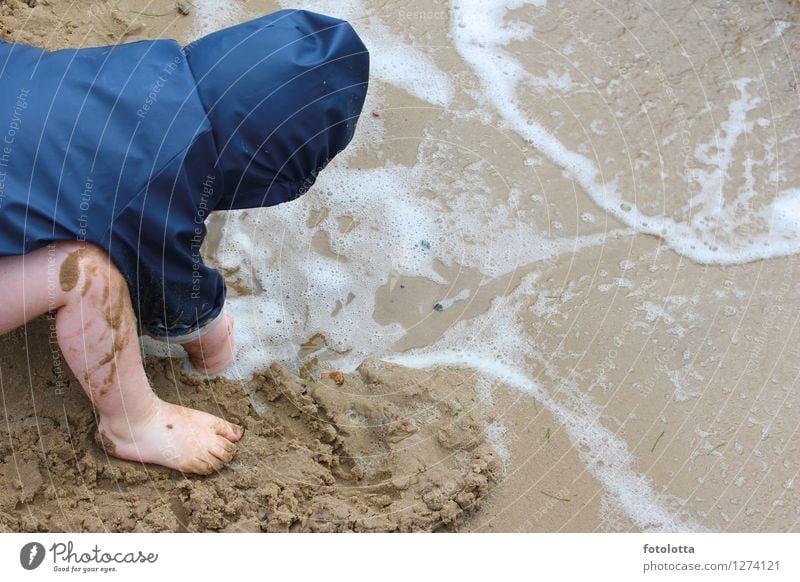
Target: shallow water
[{"x": 593, "y": 205}]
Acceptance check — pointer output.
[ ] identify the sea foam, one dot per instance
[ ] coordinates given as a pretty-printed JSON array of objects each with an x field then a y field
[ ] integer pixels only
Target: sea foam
[{"x": 480, "y": 34}]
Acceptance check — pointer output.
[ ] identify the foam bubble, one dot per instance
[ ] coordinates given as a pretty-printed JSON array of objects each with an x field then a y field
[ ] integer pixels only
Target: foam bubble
[
  {"x": 496, "y": 436},
  {"x": 784, "y": 214}
]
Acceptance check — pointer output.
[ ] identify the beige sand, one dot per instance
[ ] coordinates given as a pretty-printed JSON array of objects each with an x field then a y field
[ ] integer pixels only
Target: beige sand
[
  {"x": 690, "y": 370},
  {"x": 387, "y": 450}
]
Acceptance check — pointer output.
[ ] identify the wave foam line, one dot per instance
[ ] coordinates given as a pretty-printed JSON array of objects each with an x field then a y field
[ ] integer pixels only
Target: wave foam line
[
  {"x": 479, "y": 33},
  {"x": 606, "y": 456},
  {"x": 392, "y": 59}
]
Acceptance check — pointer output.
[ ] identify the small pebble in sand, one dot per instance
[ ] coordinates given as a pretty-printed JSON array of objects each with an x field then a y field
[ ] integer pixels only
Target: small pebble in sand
[
  {"x": 376, "y": 114},
  {"x": 337, "y": 376}
]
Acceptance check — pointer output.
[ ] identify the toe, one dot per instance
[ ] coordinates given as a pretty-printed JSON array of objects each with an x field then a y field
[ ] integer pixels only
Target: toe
[
  {"x": 204, "y": 465},
  {"x": 230, "y": 431},
  {"x": 223, "y": 450},
  {"x": 194, "y": 467},
  {"x": 238, "y": 431},
  {"x": 216, "y": 464}
]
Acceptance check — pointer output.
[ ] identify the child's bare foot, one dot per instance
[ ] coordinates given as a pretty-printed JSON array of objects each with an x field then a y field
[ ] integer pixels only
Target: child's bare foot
[{"x": 180, "y": 438}]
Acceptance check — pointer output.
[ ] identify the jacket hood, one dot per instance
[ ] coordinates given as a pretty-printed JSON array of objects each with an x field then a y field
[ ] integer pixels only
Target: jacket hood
[{"x": 283, "y": 94}]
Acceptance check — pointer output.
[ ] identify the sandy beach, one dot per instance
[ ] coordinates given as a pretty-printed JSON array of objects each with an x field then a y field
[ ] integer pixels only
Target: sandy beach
[{"x": 558, "y": 267}]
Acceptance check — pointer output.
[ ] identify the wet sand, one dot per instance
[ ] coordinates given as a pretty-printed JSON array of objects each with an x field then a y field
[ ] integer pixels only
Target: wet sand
[{"x": 610, "y": 378}]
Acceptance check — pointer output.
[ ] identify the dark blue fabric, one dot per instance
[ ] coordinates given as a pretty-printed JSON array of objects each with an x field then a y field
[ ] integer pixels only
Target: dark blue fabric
[{"x": 130, "y": 147}]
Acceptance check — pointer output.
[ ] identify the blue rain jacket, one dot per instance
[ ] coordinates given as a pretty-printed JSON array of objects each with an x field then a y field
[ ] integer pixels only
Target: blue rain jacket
[{"x": 131, "y": 146}]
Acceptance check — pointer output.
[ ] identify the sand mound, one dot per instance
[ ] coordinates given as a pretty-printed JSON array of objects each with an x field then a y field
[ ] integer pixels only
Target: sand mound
[
  {"x": 56, "y": 25},
  {"x": 391, "y": 449}
]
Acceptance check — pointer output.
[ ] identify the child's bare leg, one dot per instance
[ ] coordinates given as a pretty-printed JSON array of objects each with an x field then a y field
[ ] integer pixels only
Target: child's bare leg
[
  {"x": 97, "y": 334},
  {"x": 213, "y": 351}
]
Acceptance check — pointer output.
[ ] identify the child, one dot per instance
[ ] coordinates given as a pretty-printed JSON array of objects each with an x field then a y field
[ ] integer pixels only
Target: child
[{"x": 111, "y": 158}]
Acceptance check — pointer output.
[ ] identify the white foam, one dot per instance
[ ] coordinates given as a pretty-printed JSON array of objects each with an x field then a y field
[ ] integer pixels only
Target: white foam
[
  {"x": 553, "y": 81},
  {"x": 618, "y": 283},
  {"x": 374, "y": 227},
  {"x": 212, "y": 15},
  {"x": 393, "y": 60},
  {"x": 496, "y": 435},
  {"x": 784, "y": 214},
  {"x": 780, "y": 27},
  {"x": 488, "y": 345},
  {"x": 604, "y": 454},
  {"x": 368, "y": 228},
  {"x": 655, "y": 312},
  {"x": 681, "y": 389},
  {"x": 709, "y": 235}
]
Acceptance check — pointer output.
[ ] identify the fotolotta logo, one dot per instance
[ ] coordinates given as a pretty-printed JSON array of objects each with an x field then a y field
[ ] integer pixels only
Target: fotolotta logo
[{"x": 31, "y": 555}]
